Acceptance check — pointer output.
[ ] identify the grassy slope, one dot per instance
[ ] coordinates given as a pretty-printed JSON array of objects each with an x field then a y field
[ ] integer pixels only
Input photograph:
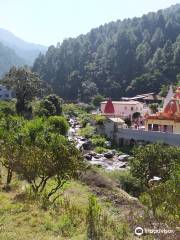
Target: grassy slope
[{"x": 24, "y": 218}]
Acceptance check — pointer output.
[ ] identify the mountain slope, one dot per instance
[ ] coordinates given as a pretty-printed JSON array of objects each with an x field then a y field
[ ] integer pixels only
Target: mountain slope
[
  {"x": 8, "y": 58},
  {"x": 25, "y": 50},
  {"x": 117, "y": 59}
]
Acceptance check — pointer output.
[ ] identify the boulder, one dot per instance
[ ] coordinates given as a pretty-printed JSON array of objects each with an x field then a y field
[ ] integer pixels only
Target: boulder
[
  {"x": 92, "y": 153},
  {"x": 87, "y": 145},
  {"x": 123, "y": 165},
  {"x": 88, "y": 157},
  {"x": 123, "y": 158},
  {"x": 108, "y": 155}
]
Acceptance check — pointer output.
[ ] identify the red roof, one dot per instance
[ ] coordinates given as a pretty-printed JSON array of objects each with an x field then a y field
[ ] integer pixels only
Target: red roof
[
  {"x": 109, "y": 108},
  {"x": 171, "y": 111}
]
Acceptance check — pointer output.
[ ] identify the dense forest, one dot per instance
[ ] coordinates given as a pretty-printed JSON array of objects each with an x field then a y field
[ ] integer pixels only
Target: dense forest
[
  {"x": 8, "y": 58},
  {"x": 117, "y": 59}
]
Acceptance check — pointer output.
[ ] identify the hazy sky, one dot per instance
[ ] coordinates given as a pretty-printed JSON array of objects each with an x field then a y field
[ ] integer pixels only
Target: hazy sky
[{"x": 50, "y": 21}]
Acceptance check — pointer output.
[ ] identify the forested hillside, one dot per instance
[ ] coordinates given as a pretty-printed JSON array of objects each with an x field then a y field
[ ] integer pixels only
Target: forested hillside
[
  {"x": 8, "y": 58},
  {"x": 117, "y": 59}
]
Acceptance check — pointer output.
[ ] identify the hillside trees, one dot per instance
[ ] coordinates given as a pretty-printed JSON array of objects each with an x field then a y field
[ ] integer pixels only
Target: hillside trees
[
  {"x": 120, "y": 58},
  {"x": 26, "y": 86}
]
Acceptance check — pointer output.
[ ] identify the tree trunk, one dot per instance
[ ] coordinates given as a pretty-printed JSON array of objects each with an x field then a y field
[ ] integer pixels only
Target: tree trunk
[{"x": 9, "y": 176}]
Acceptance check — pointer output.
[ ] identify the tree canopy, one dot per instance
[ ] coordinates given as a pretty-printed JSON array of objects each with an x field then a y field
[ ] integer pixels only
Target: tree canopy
[{"x": 117, "y": 59}]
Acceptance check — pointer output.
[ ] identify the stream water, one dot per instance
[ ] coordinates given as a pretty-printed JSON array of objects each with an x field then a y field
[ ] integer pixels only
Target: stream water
[{"x": 110, "y": 160}]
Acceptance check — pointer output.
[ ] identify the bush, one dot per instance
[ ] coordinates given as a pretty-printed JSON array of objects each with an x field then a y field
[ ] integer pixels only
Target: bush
[
  {"x": 153, "y": 160},
  {"x": 163, "y": 198},
  {"x": 98, "y": 141},
  {"x": 87, "y": 132},
  {"x": 84, "y": 119},
  {"x": 102, "y": 226},
  {"x": 51, "y": 106},
  {"x": 57, "y": 124},
  {"x": 72, "y": 110},
  {"x": 99, "y": 120},
  {"x": 127, "y": 182},
  {"x": 97, "y": 99},
  {"x": 49, "y": 158},
  {"x": 101, "y": 150}
]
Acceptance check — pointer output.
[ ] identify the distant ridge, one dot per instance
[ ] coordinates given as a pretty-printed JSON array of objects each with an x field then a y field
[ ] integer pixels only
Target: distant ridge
[
  {"x": 14, "y": 51},
  {"x": 25, "y": 50}
]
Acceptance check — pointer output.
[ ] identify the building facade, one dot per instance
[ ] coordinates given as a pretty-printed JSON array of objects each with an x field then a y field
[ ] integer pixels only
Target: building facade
[
  {"x": 169, "y": 119},
  {"x": 122, "y": 109}
]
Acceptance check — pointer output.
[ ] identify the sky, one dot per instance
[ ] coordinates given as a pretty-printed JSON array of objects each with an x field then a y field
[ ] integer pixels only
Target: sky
[{"x": 50, "y": 21}]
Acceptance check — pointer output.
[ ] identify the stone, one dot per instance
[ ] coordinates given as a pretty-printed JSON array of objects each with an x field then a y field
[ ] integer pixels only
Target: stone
[
  {"x": 108, "y": 154},
  {"x": 123, "y": 157},
  {"x": 123, "y": 165},
  {"x": 87, "y": 145},
  {"x": 88, "y": 157}
]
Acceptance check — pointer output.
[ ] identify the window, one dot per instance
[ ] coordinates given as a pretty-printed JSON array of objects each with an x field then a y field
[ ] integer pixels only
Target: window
[
  {"x": 132, "y": 108},
  {"x": 125, "y": 108}
]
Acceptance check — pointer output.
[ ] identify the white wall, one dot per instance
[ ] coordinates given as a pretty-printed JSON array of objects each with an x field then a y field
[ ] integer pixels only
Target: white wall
[{"x": 125, "y": 109}]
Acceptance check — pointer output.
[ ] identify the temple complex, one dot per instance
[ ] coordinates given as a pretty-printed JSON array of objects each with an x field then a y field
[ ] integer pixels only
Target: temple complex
[
  {"x": 122, "y": 109},
  {"x": 169, "y": 119}
]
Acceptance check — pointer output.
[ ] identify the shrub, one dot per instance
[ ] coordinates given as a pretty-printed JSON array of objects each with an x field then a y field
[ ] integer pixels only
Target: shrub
[
  {"x": 51, "y": 106},
  {"x": 163, "y": 199},
  {"x": 100, "y": 150},
  {"x": 87, "y": 132},
  {"x": 57, "y": 124},
  {"x": 99, "y": 120},
  {"x": 10, "y": 140},
  {"x": 84, "y": 119},
  {"x": 102, "y": 226},
  {"x": 127, "y": 182},
  {"x": 97, "y": 99},
  {"x": 98, "y": 141},
  {"x": 153, "y": 160},
  {"x": 72, "y": 110},
  {"x": 49, "y": 157}
]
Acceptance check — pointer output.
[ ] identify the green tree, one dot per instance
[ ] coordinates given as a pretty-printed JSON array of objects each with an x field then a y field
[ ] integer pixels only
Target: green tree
[
  {"x": 51, "y": 156},
  {"x": 51, "y": 106},
  {"x": 136, "y": 115},
  {"x": 153, "y": 107},
  {"x": 57, "y": 124},
  {"x": 163, "y": 198},
  {"x": 97, "y": 99},
  {"x": 153, "y": 160},
  {"x": 10, "y": 139},
  {"x": 26, "y": 86}
]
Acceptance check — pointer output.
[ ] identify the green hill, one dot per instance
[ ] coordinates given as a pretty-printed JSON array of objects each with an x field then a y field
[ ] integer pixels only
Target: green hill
[
  {"x": 117, "y": 59},
  {"x": 8, "y": 58}
]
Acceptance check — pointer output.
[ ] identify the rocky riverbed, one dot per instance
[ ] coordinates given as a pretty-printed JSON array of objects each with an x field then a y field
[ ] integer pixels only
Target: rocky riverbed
[{"x": 110, "y": 160}]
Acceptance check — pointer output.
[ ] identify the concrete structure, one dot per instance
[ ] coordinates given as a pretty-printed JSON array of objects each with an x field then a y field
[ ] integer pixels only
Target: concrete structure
[
  {"x": 169, "y": 119},
  {"x": 5, "y": 94},
  {"x": 122, "y": 109},
  {"x": 122, "y": 136}
]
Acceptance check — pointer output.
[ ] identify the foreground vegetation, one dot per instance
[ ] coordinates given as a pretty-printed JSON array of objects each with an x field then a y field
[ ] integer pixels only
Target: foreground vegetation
[{"x": 48, "y": 191}]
